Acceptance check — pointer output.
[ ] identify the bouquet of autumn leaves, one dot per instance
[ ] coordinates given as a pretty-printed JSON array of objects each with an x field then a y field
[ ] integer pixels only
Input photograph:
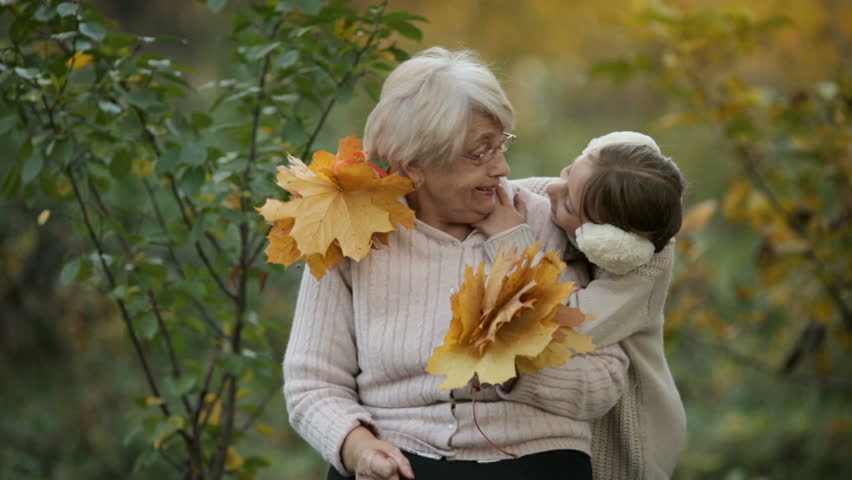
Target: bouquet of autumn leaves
[
  {"x": 340, "y": 206},
  {"x": 510, "y": 321}
]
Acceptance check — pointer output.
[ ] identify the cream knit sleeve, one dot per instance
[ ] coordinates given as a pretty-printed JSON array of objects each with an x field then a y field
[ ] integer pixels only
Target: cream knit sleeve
[
  {"x": 320, "y": 365},
  {"x": 584, "y": 388},
  {"x": 622, "y": 304}
]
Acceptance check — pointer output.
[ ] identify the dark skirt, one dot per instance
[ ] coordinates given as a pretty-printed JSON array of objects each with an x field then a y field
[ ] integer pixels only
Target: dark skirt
[{"x": 538, "y": 466}]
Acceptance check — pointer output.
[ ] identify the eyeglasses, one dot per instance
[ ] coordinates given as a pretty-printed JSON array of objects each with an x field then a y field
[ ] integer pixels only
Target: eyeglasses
[{"x": 491, "y": 153}]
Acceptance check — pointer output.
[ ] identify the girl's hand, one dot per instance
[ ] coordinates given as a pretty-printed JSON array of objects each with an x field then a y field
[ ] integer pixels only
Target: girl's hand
[
  {"x": 506, "y": 216},
  {"x": 373, "y": 459}
]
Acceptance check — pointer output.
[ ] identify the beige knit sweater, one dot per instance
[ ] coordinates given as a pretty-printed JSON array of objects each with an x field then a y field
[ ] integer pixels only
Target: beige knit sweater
[
  {"x": 362, "y": 337},
  {"x": 642, "y": 437}
]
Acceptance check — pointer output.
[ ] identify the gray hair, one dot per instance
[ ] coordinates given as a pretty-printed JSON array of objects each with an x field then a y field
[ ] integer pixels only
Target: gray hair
[{"x": 426, "y": 105}]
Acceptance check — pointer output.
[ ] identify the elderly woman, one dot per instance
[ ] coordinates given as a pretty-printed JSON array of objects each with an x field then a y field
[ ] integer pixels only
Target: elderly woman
[{"x": 354, "y": 371}]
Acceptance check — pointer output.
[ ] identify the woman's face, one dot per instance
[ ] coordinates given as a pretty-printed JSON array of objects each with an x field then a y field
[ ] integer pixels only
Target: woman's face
[
  {"x": 565, "y": 195},
  {"x": 465, "y": 192}
]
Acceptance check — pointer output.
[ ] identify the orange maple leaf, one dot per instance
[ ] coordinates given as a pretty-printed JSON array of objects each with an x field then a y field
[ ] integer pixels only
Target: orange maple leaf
[
  {"x": 341, "y": 205},
  {"x": 513, "y": 318}
]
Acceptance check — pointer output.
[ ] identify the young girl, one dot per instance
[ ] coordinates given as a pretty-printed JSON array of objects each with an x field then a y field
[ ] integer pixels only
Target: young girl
[{"x": 620, "y": 205}]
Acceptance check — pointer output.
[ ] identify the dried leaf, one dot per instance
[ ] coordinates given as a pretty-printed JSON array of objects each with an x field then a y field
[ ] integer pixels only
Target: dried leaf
[
  {"x": 512, "y": 318},
  {"x": 341, "y": 206}
]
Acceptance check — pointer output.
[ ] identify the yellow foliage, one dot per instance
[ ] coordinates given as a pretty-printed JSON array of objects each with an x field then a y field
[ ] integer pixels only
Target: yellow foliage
[
  {"x": 510, "y": 321},
  {"x": 233, "y": 460},
  {"x": 43, "y": 217},
  {"x": 696, "y": 218},
  {"x": 213, "y": 409},
  {"x": 342, "y": 205},
  {"x": 79, "y": 60},
  {"x": 265, "y": 429}
]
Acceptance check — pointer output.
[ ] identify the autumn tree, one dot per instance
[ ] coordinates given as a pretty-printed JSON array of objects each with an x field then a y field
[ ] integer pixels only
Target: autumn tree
[
  {"x": 779, "y": 300},
  {"x": 166, "y": 195}
]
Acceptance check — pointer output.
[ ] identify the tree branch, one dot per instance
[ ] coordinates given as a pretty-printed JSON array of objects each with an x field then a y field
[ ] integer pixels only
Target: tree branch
[
  {"x": 131, "y": 330},
  {"x": 161, "y": 221},
  {"x": 346, "y": 78}
]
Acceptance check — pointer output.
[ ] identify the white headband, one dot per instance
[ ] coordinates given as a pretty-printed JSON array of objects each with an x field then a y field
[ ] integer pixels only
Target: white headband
[{"x": 614, "y": 138}]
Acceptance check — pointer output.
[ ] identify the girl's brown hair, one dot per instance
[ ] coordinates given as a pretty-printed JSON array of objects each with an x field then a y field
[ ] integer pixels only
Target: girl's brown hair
[{"x": 636, "y": 189}]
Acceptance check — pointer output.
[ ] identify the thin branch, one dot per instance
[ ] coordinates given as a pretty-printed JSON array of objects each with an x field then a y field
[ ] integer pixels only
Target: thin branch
[
  {"x": 259, "y": 248},
  {"x": 262, "y": 406},
  {"x": 342, "y": 81},
  {"x": 205, "y": 386},
  {"x": 137, "y": 345},
  {"x": 749, "y": 158},
  {"x": 125, "y": 245},
  {"x": 169, "y": 346},
  {"x": 196, "y": 244},
  {"x": 171, "y": 461},
  {"x": 762, "y": 367},
  {"x": 161, "y": 221},
  {"x": 229, "y": 408}
]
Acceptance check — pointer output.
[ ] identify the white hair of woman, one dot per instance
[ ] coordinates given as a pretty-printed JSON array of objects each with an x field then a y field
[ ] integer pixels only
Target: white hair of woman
[{"x": 426, "y": 106}]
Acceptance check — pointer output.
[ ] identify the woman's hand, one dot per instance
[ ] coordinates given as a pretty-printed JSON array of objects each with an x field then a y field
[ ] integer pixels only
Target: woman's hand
[
  {"x": 506, "y": 216},
  {"x": 373, "y": 459}
]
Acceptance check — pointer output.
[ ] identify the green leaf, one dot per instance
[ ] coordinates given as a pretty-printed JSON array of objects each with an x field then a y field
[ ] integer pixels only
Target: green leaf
[
  {"x": 66, "y": 9},
  {"x": 310, "y": 7},
  {"x": 7, "y": 123},
  {"x": 142, "y": 98},
  {"x": 201, "y": 120},
  {"x": 286, "y": 59},
  {"x": 132, "y": 433},
  {"x": 216, "y": 6},
  {"x": 168, "y": 161},
  {"x": 27, "y": 73},
  {"x": 69, "y": 271},
  {"x": 95, "y": 31},
  {"x": 32, "y": 167},
  {"x": 406, "y": 29},
  {"x": 193, "y": 179},
  {"x": 179, "y": 386},
  {"x": 178, "y": 125},
  {"x": 82, "y": 77},
  {"x": 402, "y": 16},
  {"x": 193, "y": 154},
  {"x": 44, "y": 13},
  {"x": 154, "y": 273},
  {"x": 233, "y": 363},
  {"x": 121, "y": 164},
  {"x": 147, "y": 325},
  {"x": 260, "y": 51},
  {"x": 12, "y": 182},
  {"x": 109, "y": 107}
]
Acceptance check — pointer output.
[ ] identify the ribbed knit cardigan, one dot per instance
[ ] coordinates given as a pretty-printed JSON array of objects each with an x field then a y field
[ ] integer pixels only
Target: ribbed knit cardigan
[
  {"x": 642, "y": 437},
  {"x": 362, "y": 337}
]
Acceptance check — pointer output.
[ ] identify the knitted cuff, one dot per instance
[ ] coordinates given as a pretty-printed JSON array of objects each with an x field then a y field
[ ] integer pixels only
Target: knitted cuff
[
  {"x": 520, "y": 236},
  {"x": 337, "y": 435}
]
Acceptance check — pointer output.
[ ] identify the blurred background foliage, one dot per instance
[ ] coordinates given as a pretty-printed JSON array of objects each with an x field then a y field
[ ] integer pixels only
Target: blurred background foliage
[{"x": 752, "y": 101}]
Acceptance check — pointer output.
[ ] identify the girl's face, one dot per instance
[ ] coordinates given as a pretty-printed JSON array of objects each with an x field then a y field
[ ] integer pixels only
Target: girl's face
[{"x": 565, "y": 195}]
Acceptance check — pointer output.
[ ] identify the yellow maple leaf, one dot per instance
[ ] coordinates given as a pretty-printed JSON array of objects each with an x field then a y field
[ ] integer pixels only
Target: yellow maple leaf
[
  {"x": 341, "y": 206},
  {"x": 510, "y": 321}
]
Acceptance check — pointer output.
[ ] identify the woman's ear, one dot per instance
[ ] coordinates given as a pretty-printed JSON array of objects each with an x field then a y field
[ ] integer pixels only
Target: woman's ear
[{"x": 415, "y": 173}]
